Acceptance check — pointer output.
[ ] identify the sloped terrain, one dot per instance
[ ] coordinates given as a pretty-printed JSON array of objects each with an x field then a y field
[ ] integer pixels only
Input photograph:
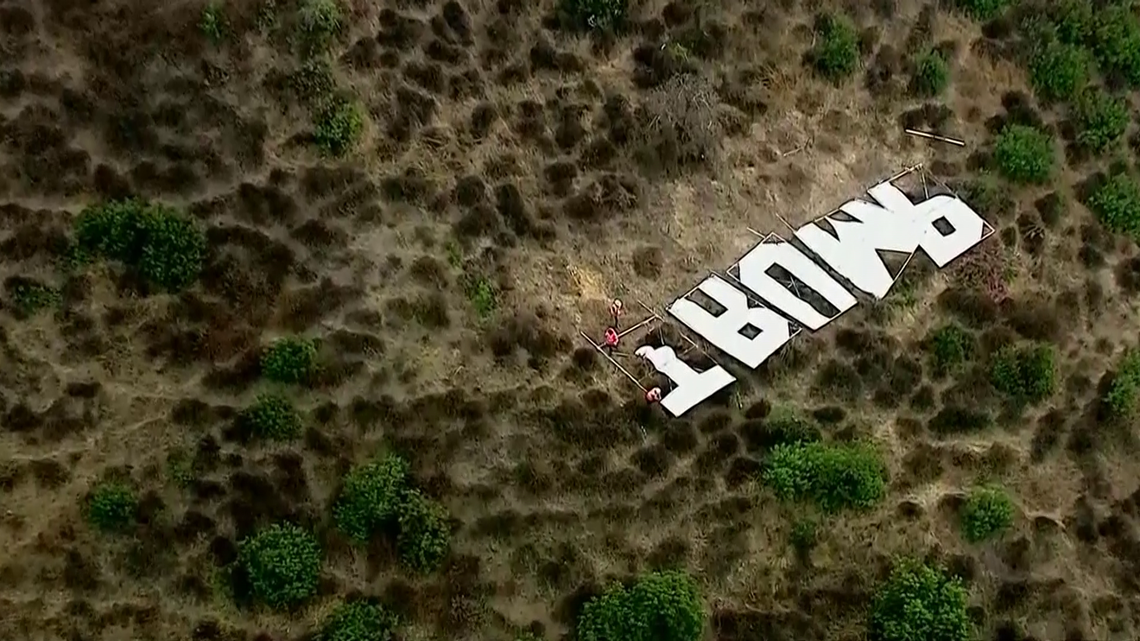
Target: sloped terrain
[{"x": 506, "y": 173}]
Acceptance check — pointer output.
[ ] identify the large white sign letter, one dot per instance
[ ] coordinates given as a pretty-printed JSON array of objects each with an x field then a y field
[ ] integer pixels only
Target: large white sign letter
[
  {"x": 895, "y": 224},
  {"x": 891, "y": 227},
  {"x": 754, "y": 275},
  {"x": 692, "y": 388},
  {"x": 724, "y": 330},
  {"x": 969, "y": 228}
]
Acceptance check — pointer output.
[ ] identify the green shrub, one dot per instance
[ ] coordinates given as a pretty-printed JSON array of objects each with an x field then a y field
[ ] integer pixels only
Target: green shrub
[
  {"x": 371, "y": 497},
  {"x": 482, "y": 296},
  {"x": 1074, "y": 20},
  {"x": 950, "y": 346},
  {"x": 982, "y": 9},
  {"x": 1059, "y": 71},
  {"x": 320, "y": 21},
  {"x": 660, "y": 606},
  {"x": 313, "y": 83},
  {"x": 425, "y": 534},
  {"x": 213, "y": 23},
  {"x": 165, "y": 248},
  {"x": 835, "y": 476},
  {"x": 1024, "y": 154},
  {"x": 931, "y": 74},
  {"x": 1116, "y": 43},
  {"x": 289, "y": 360},
  {"x": 1116, "y": 203},
  {"x": 836, "y": 52},
  {"x": 339, "y": 124},
  {"x": 785, "y": 425},
  {"x": 30, "y": 297},
  {"x": 596, "y": 15},
  {"x": 988, "y": 511},
  {"x": 804, "y": 535},
  {"x": 1025, "y": 373},
  {"x": 1120, "y": 400},
  {"x": 358, "y": 621},
  {"x": 272, "y": 417},
  {"x": 111, "y": 507},
  {"x": 1100, "y": 119},
  {"x": 920, "y": 602},
  {"x": 283, "y": 563}
]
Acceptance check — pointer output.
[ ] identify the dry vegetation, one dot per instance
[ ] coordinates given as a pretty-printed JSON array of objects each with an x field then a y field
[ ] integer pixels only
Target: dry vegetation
[{"x": 322, "y": 374}]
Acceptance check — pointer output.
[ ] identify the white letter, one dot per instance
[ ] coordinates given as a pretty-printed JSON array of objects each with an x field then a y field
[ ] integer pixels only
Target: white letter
[
  {"x": 692, "y": 388},
  {"x": 724, "y": 330},
  {"x": 898, "y": 225},
  {"x": 753, "y": 274},
  {"x": 893, "y": 227},
  {"x": 942, "y": 248},
  {"x": 969, "y": 228}
]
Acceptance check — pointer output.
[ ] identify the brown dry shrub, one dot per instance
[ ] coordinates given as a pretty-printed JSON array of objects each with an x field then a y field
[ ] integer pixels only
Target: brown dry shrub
[
  {"x": 680, "y": 126},
  {"x": 986, "y": 268}
]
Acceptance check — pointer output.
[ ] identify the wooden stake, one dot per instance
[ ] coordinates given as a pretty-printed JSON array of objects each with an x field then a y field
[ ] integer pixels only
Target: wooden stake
[
  {"x": 636, "y": 327},
  {"x": 615, "y": 363},
  {"x": 924, "y": 134}
]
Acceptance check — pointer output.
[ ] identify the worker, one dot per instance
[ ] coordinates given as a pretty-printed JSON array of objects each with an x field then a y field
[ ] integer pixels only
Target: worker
[
  {"x": 610, "y": 342},
  {"x": 615, "y": 311}
]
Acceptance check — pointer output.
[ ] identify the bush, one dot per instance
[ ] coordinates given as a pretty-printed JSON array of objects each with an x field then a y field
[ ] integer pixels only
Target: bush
[
  {"x": 982, "y": 10},
  {"x": 988, "y": 511},
  {"x": 1100, "y": 119},
  {"x": 1116, "y": 43},
  {"x": 950, "y": 346},
  {"x": 836, "y": 52},
  {"x": 314, "y": 82},
  {"x": 660, "y": 606},
  {"x": 1025, "y": 373},
  {"x": 339, "y": 124},
  {"x": 1120, "y": 400},
  {"x": 371, "y": 496},
  {"x": 598, "y": 15},
  {"x": 804, "y": 535},
  {"x": 358, "y": 621},
  {"x": 111, "y": 507},
  {"x": 30, "y": 297},
  {"x": 836, "y": 476},
  {"x": 931, "y": 74},
  {"x": 320, "y": 21},
  {"x": 289, "y": 360},
  {"x": 283, "y": 563},
  {"x": 272, "y": 417},
  {"x": 482, "y": 295},
  {"x": 1116, "y": 203},
  {"x": 1024, "y": 154},
  {"x": 785, "y": 425},
  {"x": 1059, "y": 71},
  {"x": 213, "y": 23},
  {"x": 425, "y": 534},
  {"x": 920, "y": 602},
  {"x": 681, "y": 126},
  {"x": 1074, "y": 21},
  {"x": 165, "y": 248}
]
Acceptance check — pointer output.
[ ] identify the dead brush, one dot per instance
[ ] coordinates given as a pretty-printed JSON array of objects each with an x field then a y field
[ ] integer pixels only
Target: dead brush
[
  {"x": 680, "y": 125},
  {"x": 987, "y": 269}
]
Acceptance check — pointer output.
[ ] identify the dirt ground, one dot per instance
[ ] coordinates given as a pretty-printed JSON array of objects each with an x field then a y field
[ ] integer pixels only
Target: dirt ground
[{"x": 504, "y": 154}]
